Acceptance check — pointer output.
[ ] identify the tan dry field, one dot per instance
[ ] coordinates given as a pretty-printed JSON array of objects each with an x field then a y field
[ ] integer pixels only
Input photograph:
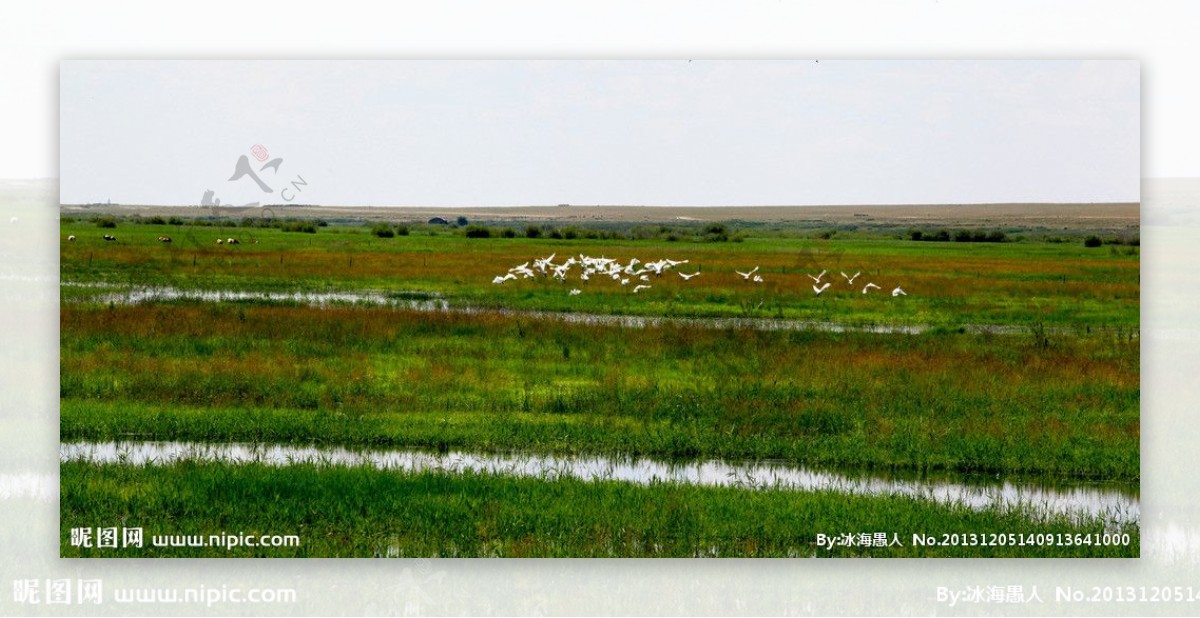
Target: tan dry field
[{"x": 1073, "y": 215}]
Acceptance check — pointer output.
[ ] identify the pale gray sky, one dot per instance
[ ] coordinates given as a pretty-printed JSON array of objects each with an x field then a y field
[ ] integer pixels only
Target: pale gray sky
[{"x": 658, "y": 132}]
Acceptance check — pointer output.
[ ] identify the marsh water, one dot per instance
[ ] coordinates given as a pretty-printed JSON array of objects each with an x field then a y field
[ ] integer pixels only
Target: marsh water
[
  {"x": 424, "y": 301},
  {"x": 1116, "y": 503}
]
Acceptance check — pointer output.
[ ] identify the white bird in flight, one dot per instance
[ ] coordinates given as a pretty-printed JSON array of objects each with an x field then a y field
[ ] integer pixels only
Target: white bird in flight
[
  {"x": 850, "y": 279},
  {"x": 817, "y": 279},
  {"x": 746, "y": 276},
  {"x": 575, "y": 292},
  {"x": 758, "y": 279},
  {"x": 688, "y": 276},
  {"x": 639, "y": 288},
  {"x": 868, "y": 286},
  {"x": 818, "y": 290},
  {"x": 899, "y": 292}
]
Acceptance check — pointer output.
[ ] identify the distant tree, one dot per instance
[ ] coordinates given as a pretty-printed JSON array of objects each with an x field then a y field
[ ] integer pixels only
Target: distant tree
[
  {"x": 461, "y": 221},
  {"x": 1092, "y": 241}
]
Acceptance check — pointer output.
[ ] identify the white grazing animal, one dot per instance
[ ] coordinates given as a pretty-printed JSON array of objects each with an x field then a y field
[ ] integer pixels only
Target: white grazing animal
[{"x": 71, "y": 238}]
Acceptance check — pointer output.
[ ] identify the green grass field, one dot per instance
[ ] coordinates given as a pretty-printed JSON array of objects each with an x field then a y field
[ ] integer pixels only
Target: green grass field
[{"x": 1029, "y": 365}]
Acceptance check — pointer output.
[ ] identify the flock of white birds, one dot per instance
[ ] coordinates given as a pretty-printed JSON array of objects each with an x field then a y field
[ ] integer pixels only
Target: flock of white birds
[{"x": 638, "y": 273}]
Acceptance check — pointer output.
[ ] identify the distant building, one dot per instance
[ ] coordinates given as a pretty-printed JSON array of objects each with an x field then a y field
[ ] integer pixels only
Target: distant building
[{"x": 438, "y": 221}]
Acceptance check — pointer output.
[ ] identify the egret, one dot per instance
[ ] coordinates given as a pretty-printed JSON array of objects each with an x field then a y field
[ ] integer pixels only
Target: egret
[
  {"x": 868, "y": 286},
  {"x": 818, "y": 290},
  {"x": 817, "y": 279},
  {"x": 625, "y": 282},
  {"x": 898, "y": 292},
  {"x": 687, "y": 276},
  {"x": 639, "y": 288},
  {"x": 746, "y": 276},
  {"x": 575, "y": 292},
  {"x": 849, "y": 279},
  {"x": 644, "y": 278},
  {"x": 758, "y": 279}
]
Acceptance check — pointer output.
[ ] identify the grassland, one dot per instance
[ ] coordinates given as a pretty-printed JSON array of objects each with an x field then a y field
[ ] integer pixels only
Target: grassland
[
  {"x": 355, "y": 512},
  {"x": 382, "y": 376},
  {"x": 949, "y": 284},
  {"x": 1027, "y": 364}
]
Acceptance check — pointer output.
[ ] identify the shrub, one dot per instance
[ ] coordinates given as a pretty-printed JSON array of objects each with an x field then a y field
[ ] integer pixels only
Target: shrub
[
  {"x": 478, "y": 231},
  {"x": 175, "y": 221},
  {"x": 402, "y": 230},
  {"x": 915, "y": 234},
  {"x": 383, "y": 230},
  {"x": 307, "y": 227},
  {"x": 106, "y": 222},
  {"x": 508, "y": 232},
  {"x": 461, "y": 221},
  {"x": 533, "y": 231},
  {"x": 1092, "y": 241}
]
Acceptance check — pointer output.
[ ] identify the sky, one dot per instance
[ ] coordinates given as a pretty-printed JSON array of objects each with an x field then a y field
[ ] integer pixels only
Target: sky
[{"x": 633, "y": 132}]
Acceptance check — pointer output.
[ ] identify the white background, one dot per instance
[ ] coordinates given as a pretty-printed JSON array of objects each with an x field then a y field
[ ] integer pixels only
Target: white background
[{"x": 1161, "y": 35}]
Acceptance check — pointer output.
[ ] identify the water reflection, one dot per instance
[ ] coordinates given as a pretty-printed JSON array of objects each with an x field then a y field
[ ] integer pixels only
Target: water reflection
[{"x": 1116, "y": 503}]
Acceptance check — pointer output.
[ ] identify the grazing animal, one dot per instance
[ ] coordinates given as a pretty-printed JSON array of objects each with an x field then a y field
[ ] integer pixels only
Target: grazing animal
[
  {"x": 220, "y": 242},
  {"x": 818, "y": 290},
  {"x": 898, "y": 292},
  {"x": 71, "y": 238},
  {"x": 868, "y": 286},
  {"x": 232, "y": 241},
  {"x": 109, "y": 237},
  {"x": 164, "y": 239}
]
